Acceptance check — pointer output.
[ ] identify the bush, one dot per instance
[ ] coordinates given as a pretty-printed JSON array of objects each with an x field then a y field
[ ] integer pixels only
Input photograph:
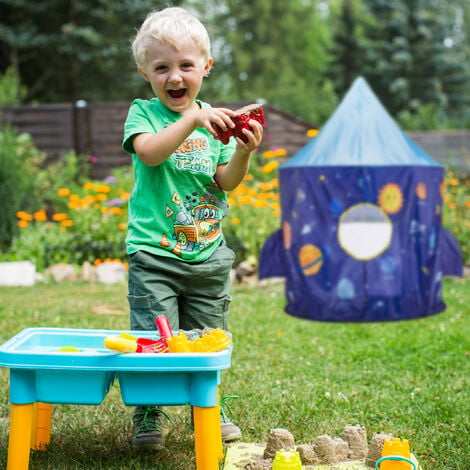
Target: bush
[
  {"x": 16, "y": 151},
  {"x": 456, "y": 209}
]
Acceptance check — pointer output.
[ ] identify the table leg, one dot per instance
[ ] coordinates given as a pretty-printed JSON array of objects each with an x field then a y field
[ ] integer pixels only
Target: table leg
[
  {"x": 207, "y": 437},
  {"x": 41, "y": 427},
  {"x": 20, "y": 426}
]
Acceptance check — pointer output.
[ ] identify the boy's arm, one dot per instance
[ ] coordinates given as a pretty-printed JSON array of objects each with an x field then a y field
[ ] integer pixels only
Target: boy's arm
[
  {"x": 230, "y": 175},
  {"x": 154, "y": 149}
]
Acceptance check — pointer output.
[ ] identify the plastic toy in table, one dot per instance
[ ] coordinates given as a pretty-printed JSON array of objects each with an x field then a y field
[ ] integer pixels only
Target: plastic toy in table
[{"x": 83, "y": 373}]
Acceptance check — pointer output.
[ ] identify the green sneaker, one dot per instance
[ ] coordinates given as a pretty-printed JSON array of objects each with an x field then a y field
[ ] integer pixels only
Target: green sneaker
[
  {"x": 148, "y": 429},
  {"x": 230, "y": 432}
]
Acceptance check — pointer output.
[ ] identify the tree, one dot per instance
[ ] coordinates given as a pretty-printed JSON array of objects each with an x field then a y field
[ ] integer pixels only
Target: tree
[
  {"x": 348, "y": 45},
  {"x": 274, "y": 51},
  {"x": 408, "y": 62},
  {"x": 66, "y": 50}
]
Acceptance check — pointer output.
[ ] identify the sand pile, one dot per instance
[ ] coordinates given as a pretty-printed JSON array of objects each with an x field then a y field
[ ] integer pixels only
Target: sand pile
[{"x": 324, "y": 450}]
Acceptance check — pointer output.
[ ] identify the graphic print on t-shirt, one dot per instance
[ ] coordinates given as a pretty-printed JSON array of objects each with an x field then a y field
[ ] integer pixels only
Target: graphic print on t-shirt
[{"x": 196, "y": 215}]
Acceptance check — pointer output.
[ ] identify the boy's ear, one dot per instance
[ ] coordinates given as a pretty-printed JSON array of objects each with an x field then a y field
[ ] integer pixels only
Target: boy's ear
[
  {"x": 208, "y": 66},
  {"x": 144, "y": 75}
]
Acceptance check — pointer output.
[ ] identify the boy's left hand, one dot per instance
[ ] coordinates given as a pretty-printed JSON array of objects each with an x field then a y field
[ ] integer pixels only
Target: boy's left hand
[{"x": 254, "y": 136}]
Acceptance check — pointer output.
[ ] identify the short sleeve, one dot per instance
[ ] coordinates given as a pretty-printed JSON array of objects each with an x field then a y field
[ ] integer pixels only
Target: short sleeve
[{"x": 138, "y": 121}]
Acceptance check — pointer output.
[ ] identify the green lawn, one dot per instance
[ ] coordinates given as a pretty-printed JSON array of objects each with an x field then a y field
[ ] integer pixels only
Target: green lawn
[{"x": 409, "y": 378}]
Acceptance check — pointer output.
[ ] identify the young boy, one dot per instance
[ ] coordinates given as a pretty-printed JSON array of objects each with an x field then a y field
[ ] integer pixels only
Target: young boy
[{"x": 179, "y": 264}]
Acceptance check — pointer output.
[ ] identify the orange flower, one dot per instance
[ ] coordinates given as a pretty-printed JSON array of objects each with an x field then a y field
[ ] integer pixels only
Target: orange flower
[
  {"x": 124, "y": 195},
  {"x": 24, "y": 216},
  {"x": 97, "y": 262},
  {"x": 116, "y": 211},
  {"x": 452, "y": 205},
  {"x": 122, "y": 226},
  {"x": 63, "y": 192},
  {"x": 101, "y": 197},
  {"x": 89, "y": 185},
  {"x": 454, "y": 182},
  {"x": 102, "y": 188},
  {"x": 22, "y": 223},
  {"x": 59, "y": 216},
  {"x": 74, "y": 197},
  {"x": 235, "y": 221},
  {"x": 67, "y": 223},
  {"x": 40, "y": 215}
]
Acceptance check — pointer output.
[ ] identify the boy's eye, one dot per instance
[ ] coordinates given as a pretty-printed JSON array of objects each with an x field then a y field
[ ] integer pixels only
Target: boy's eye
[
  {"x": 160, "y": 68},
  {"x": 187, "y": 65}
]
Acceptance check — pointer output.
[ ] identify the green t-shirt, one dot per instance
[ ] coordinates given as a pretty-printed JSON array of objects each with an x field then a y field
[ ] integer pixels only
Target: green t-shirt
[{"x": 176, "y": 208}]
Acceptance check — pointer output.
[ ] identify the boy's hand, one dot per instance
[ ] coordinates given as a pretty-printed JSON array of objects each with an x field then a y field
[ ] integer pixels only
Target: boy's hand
[
  {"x": 254, "y": 137},
  {"x": 208, "y": 118}
]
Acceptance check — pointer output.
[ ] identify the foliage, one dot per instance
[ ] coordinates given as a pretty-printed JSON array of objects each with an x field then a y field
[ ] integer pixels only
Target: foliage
[
  {"x": 88, "y": 224},
  {"x": 299, "y": 56},
  {"x": 261, "y": 61},
  {"x": 12, "y": 91},
  {"x": 456, "y": 209},
  {"x": 409, "y": 378},
  {"x": 16, "y": 153},
  {"x": 411, "y": 59},
  {"x": 66, "y": 51}
]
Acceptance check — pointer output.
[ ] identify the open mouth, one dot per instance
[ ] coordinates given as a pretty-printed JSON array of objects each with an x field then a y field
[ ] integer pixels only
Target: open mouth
[{"x": 177, "y": 93}]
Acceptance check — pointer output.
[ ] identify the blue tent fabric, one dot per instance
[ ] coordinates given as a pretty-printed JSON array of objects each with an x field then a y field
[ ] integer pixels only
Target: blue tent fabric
[{"x": 361, "y": 236}]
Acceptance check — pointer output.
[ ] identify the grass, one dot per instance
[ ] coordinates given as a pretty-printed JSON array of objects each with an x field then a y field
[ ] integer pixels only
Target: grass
[{"x": 409, "y": 378}]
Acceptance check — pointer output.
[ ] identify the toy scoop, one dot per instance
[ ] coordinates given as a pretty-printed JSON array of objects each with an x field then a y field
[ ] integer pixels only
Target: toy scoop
[{"x": 241, "y": 119}]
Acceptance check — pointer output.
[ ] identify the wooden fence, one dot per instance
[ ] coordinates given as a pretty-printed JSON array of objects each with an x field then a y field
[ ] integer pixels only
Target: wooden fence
[{"x": 96, "y": 129}]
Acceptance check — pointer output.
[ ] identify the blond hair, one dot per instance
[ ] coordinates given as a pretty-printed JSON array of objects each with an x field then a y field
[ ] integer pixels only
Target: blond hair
[{"x": 171, "y": 26}]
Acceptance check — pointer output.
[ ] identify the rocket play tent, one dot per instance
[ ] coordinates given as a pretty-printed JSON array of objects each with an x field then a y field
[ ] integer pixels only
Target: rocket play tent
[{"x": 361, "y": 236}]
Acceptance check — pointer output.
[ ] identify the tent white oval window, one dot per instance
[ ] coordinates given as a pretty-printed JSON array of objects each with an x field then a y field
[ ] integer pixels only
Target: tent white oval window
[{"x": 364, "y": 231}]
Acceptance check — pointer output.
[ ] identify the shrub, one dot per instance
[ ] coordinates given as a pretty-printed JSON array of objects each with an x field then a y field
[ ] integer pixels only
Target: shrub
[
  {"x": 456, "y": 209},
  {"x": 16, "y": 181}
]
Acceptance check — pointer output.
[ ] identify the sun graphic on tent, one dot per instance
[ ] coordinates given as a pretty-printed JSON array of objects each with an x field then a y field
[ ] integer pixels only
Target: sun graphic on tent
[{"x": 391, "y": 198}]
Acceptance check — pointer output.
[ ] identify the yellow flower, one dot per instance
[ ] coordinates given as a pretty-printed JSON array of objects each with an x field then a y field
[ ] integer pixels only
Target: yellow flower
[
  {"x": 275, "y": 205},
  {"x": 312, "y": 132},
  {"x": 261, "y": 203},
  {"x": 63, "y": 192},
  {"x": 59, "y": 216},
  {"x": 244, "y": 200},
  {"x": 40, "y": 215},
  {"x": 268, "y": 168}
]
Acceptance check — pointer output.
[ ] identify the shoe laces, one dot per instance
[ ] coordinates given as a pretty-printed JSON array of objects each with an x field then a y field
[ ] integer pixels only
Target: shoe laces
[
  {"x": 148, "y": 419},
  {"x": 225, "y": 411}
]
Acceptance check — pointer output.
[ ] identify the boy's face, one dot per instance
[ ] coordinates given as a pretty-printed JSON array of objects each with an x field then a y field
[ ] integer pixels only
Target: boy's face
[{"x": 176, "y": 75}]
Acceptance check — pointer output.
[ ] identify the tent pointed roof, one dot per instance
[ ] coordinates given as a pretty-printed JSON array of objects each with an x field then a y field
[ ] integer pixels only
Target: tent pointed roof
[{"x": 361, "y": 133}]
